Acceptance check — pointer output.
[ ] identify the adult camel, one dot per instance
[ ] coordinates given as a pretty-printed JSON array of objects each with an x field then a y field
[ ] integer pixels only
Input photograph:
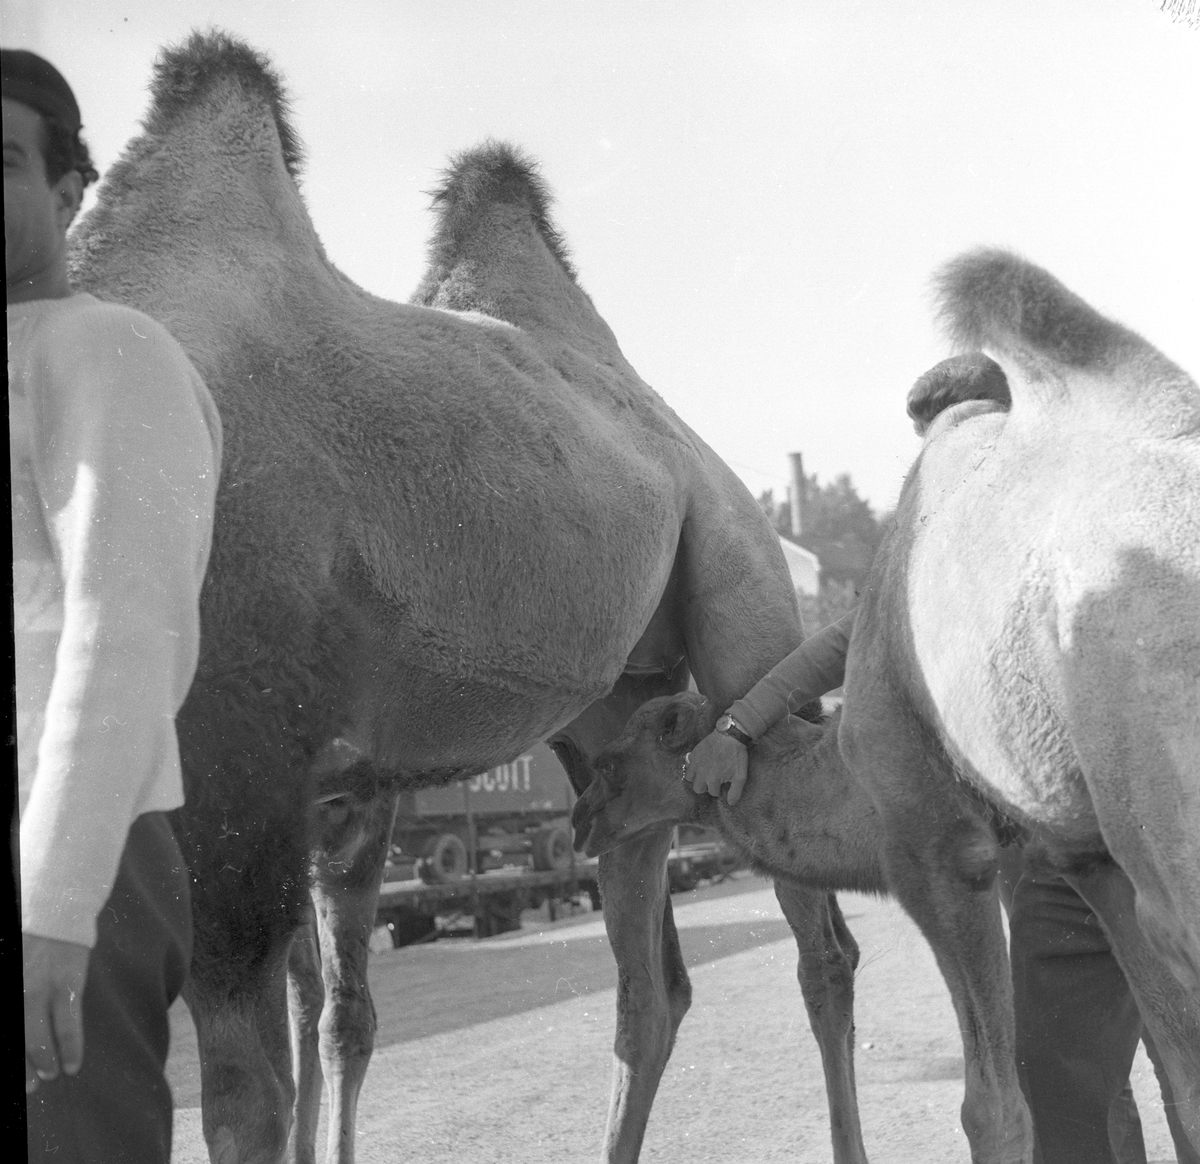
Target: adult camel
[
  {"x": 1026, "y": 660},
  {"x": 445, "y": 530},
  {"x": 1028, "y": 651}
]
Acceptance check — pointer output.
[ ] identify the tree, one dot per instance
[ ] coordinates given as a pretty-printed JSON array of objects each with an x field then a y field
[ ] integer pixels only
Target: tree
[{"x": 841, "y": 529}]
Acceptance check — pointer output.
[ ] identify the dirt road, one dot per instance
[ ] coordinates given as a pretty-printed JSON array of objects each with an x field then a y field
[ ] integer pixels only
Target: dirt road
[{"x": 501, "y": 1050}]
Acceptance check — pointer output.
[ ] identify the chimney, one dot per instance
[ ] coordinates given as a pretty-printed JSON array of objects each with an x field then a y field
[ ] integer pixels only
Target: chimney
[{"x": 796, "y": 494}]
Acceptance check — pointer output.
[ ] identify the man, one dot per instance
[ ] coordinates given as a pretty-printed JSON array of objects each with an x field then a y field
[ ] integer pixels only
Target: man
[
  {"x": 115, "y": 453},
  {"x": 1077, "y": 1025}
]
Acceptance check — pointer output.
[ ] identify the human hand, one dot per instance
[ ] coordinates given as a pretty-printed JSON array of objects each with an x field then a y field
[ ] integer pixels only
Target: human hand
[
  {"x": 716, "y": 760},
  {"x": 54, "y": 976}
]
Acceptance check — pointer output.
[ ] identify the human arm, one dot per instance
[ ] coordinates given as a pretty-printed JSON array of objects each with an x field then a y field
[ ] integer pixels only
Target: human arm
[
  {"x": 816, "y": 666},
  {"x": 125, "y": 470}
]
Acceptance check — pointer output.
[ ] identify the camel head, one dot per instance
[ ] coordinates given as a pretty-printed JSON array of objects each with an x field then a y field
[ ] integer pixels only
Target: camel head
[
  {"x": 637, "y": 781},
  {"x": 955, "y": 381}
]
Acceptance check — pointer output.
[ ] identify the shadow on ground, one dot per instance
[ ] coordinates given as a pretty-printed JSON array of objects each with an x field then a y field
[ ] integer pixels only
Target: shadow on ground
[
  {"x": 451, "y": 984},
  {"x": 425, "y": 990}
]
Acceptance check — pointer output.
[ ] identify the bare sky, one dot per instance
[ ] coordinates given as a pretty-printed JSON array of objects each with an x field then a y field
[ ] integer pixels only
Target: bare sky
[{"x": 755, "y": 193}]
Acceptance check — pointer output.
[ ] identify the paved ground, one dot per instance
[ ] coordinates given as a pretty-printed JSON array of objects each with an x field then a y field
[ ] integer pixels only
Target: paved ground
[{"x": 500, "y": 1050}]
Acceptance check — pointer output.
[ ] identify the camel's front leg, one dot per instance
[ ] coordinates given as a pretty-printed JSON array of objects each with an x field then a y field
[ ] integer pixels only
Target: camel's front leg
[
  {"x": 306, "y": 997},
  {"x": 1169, "y": 1010},
  {"x": 653, "y": 991},
  {"x": 828, "y": 959},
  {"x": 347, "y": 872}
]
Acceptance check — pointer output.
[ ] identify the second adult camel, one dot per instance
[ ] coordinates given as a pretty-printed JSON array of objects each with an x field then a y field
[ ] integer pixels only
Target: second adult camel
[
  {"x": 444, "y": 531},
  {"x": 1026, "y": 658}
]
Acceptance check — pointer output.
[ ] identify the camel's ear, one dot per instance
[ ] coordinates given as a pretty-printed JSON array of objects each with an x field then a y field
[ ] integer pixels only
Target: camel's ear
[{"x": 679, "y": 727}]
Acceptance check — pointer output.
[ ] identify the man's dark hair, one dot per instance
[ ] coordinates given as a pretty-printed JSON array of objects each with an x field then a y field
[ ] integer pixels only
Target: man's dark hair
[
  {"x": 64, "y": 151},
  {"x": 35, "y": 82}
]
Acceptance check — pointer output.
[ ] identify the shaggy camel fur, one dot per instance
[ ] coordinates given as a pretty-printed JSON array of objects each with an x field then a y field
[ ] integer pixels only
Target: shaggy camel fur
[
  {"x": 802, "y": 820},
  {"x": 1028, "y": 650},
  {"x": 444, "y": 531}
]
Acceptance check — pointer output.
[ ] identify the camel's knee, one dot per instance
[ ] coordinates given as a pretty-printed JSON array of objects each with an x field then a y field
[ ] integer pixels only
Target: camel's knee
[
  {"x": 826, "y": 980},
  {"x": 648, "y": 1016},
  {"x": 961, "y": 857},
  {"x": 976, "y": 856},
  {"x": 347, "y": 1027},
  {"x": 1003, "y": 1133},
  {"x": 306, "y": 989},
  {"x": 675, "y": 978},
  {"x": 843, "y": 937},
  {"x": 679, "y": 998}
]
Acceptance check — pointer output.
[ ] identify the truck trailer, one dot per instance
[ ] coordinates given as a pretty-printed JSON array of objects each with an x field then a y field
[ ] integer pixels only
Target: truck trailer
[
  {"x": 498, "y": 843},
  {"x": 488, "y": 847}
]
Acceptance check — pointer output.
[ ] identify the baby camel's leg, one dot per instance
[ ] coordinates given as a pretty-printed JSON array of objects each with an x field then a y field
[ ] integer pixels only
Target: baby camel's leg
[
  {"x": 347, "y": 872},
  {"x": 653, "y": 991},
  {"x": 940, "y": 860},
  {"x": 828, "y": 959}
]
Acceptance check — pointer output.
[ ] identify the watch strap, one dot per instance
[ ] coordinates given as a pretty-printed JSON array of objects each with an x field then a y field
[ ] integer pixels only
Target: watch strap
[{"x": 733, "y": 729}]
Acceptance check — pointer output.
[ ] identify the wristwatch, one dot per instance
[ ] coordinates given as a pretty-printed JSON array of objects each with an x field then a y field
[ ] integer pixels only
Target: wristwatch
[{"x": 728, "y": 726}]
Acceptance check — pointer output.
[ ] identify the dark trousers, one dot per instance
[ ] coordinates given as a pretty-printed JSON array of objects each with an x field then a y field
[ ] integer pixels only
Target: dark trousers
[
  {"x": 118, "y": 1107},
  {"x": 1077, "y": 1032}
]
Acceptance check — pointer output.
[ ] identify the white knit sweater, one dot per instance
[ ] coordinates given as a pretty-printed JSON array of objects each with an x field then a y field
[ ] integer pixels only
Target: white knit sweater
[{"x": 116, "y": 448}]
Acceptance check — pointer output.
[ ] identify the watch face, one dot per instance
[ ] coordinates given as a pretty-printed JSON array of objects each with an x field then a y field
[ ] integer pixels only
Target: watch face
[{"x": 724, "y": 723}]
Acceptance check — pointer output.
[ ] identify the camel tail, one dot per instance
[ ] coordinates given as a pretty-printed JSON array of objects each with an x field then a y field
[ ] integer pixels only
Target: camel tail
[
  {"x": 185, "y": 74},
  {"x": 992, "y": 300},
  {"x": 494, "y": 172}
]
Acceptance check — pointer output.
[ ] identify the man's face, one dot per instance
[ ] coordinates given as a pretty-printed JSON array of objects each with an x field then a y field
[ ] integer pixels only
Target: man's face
[{"x": 36, "y": 213}]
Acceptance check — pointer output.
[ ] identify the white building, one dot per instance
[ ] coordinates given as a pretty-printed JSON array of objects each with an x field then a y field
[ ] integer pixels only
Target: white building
[{"x": 804, "y": 566}]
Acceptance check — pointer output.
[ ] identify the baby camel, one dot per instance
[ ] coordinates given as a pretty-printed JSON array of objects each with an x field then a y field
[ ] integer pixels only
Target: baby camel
[{"x": 802, "y": 819}]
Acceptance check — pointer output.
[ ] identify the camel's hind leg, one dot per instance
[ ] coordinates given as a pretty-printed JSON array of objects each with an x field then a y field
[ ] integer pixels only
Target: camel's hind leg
[
  {"x": 1132, "y": 682},
  {"x": 828, "y": 959},
  {"x": 653, "y": 991},
  {"x": 353, "y": 840},
  {"x": 1172, "y": 1015},
  {"x": 1131, "y": 677},
  {"x": 306, "y": 997}
]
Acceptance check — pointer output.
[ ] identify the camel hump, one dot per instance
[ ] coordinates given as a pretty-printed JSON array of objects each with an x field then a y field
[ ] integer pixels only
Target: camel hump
[
  {"x": 186, "y": 74},
  {"x": 492, "y": 174},
  {"x": 1043, "y": 334},
  {"x": 991, "y": 298}
]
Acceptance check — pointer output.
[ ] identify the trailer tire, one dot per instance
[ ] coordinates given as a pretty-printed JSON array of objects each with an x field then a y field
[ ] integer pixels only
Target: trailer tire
[
  {"x": 443, "y": 859},
  {"x": 552, "y": 848}
]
